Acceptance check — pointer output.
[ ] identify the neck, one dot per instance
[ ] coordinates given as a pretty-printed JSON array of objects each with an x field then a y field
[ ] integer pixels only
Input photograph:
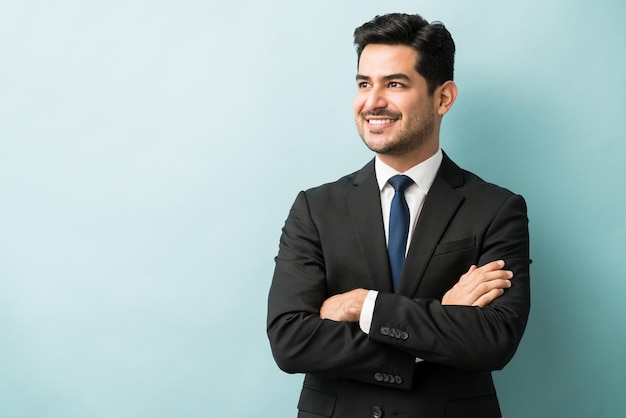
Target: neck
[{"x": 405, "y": 161}]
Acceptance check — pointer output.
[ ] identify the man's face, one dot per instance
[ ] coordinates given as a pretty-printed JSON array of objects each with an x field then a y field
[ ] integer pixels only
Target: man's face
[{"x": 394, "y": 113}]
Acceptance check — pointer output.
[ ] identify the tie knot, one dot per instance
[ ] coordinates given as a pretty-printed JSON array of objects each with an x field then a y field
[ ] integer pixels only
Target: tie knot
[{"x": 400, "y": 182}]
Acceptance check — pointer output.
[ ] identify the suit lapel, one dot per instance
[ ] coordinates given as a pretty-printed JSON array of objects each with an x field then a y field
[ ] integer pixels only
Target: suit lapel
[
  {"x": 440, "y": 205},
  {"x": 366, "y": 215}
]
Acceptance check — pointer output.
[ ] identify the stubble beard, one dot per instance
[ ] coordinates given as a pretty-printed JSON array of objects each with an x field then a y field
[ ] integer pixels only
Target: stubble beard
[{"x": 412, "y": 137}]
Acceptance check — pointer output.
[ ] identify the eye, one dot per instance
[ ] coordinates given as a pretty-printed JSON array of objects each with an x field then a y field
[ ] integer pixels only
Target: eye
[
  {"x": 363, "y": 84},
  {"x": 394, "y": 84}
]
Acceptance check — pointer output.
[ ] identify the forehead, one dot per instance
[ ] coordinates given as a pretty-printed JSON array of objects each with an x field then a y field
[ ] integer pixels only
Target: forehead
[{"x": 380, "y": 59}]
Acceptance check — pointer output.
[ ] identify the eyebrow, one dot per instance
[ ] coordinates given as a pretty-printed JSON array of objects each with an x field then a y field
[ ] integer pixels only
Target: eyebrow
[{"x": 397, "y": 76}]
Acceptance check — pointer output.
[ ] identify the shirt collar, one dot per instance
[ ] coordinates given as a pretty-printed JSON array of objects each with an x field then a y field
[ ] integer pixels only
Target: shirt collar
[{"x": 422, "y": 174}]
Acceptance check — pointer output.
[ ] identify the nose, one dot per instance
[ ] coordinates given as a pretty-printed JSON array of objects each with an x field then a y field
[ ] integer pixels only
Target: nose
[{"x": 375, "y": 99}]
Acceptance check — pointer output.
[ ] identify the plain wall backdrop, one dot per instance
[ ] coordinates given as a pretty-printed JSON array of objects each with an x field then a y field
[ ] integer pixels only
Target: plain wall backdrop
[{"x": 150, "y": 152}]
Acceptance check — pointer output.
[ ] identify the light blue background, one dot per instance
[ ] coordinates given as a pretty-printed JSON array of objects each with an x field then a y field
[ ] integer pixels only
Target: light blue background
[{"x": 150, "y": 151}]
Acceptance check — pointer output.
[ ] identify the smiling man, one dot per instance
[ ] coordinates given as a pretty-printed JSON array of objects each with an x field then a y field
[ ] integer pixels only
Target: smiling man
[
  {"x": 395, "y": 112},
  {"x": 400, "y": 287}
]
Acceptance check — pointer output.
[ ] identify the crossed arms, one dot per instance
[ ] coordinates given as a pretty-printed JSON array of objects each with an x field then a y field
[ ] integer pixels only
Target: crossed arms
[
  {"x": 475, "y": 323},
  {"x": 478, "y": 287}
]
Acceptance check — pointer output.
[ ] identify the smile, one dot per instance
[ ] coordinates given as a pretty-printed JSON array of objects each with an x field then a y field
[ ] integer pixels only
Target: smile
[{"x": 380, "y": 121}]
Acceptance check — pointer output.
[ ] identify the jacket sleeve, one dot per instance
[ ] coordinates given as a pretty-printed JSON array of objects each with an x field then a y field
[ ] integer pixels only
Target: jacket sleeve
[
  {"x": 462, "y": 336},
  {"x": 301, "y": 341}
]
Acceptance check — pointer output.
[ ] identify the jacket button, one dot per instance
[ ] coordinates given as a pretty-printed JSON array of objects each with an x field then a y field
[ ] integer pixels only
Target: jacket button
[
  {"x": 398, "y": 380},
  {"x": 384, "y": 331},
  {"x": 377, "y": 412},
  {"x": 404, "y": 336},
  {"x": 397, "y": 334},
  {"x": 378, "y": 377}
]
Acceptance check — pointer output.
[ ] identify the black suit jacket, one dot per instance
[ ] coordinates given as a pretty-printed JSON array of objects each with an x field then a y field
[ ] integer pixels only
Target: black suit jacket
[{"x": 334, "y": 241}]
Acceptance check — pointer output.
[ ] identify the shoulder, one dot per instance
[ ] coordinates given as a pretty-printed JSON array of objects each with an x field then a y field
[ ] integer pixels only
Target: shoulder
[
  {"x": 362, "y": 177},
  {"x": 479, "y": 196},
  {"x": 468, "y": 183},
  {"x": 474, "y": 184}
]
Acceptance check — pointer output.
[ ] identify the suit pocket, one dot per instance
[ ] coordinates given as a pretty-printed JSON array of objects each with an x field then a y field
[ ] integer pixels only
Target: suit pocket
[
  {"x": 453, "y": 246},
  {"x": 317, "y": 402},
  {"x": 483, "y": 407}
]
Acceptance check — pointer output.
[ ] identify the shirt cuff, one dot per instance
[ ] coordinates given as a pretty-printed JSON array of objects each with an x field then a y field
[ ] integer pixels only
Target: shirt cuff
[{"x": 367, "y": 311}]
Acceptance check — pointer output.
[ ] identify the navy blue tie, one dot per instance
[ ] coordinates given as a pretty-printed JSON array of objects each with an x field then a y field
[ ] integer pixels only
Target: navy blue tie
[{"x": 398, "y": 227}]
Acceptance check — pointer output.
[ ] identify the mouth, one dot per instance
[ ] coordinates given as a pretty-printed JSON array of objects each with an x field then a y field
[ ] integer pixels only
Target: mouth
[
  {"x": 380, "y": 121},
  {"x": 379, "y": 124}
]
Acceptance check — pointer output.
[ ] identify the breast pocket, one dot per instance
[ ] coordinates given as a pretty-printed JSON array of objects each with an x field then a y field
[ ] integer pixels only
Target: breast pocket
[{"x": 453, "y": 246}]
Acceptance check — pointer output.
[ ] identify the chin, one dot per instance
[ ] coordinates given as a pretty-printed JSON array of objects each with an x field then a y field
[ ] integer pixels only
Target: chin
[{"x": 383, "y": 148}]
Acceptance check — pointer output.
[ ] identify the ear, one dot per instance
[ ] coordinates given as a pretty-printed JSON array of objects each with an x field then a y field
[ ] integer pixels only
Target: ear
[{"x": 446, "y": 95}]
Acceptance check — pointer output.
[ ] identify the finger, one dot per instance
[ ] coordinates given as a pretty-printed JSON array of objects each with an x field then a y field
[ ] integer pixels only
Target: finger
[
  {"x": 488, "y": 297},
  {"x": 486, "y": 288},
  {"x": 492, "y": 266},
  {"x": 480, "y": 276},
  {"x": 476, "y": 273},
  {"x": 496, "y": 275},
  {"x": 493, "y": 284},
  {"x": 467, "y": 275}
]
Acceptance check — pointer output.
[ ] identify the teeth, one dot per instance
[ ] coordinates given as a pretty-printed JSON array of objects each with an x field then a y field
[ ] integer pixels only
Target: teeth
[{"x": 380, "y": 121}]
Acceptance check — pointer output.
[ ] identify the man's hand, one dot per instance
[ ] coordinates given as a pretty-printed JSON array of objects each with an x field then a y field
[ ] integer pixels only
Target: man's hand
[
  {"x": 344, "y": 307},
  {"x": 479, "y": 286}
]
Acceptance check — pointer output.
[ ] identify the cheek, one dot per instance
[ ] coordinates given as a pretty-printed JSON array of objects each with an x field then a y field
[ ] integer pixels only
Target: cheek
[
  {"x": 358, "y": 104},
  {"x": 417, "y": 107}
]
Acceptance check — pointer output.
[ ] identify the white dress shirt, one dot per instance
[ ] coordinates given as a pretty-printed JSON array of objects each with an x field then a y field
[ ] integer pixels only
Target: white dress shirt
[{"x": 423, "y": 176}]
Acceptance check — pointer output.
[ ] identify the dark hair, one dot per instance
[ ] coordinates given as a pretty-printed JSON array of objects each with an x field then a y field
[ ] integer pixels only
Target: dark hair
[{"x": 432, "y": 41}]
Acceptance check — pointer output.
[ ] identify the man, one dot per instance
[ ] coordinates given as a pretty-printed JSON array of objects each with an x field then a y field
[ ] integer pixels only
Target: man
[{"x": 400, "y": 303}]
